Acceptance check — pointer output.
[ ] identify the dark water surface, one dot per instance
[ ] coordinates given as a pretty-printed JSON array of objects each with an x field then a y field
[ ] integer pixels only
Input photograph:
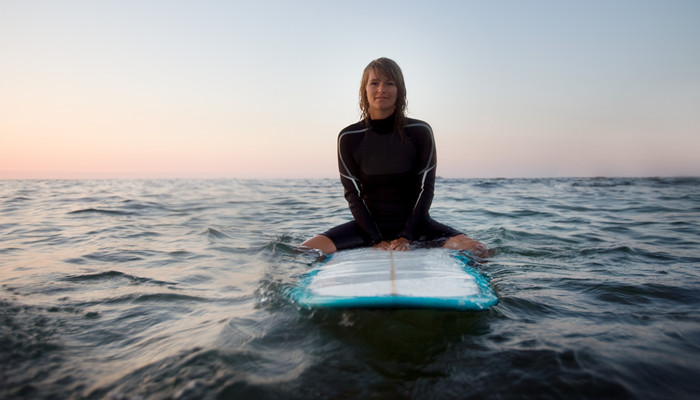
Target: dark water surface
[{"x": 175, "y": 289}]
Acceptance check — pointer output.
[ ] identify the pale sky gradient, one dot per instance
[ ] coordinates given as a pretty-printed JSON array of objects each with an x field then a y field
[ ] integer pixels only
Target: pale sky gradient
[{"x": 260, "y": 89}]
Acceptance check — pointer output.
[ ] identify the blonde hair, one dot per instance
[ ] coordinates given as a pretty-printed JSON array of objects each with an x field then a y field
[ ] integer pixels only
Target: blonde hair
[{"x": 387, "y": 69}]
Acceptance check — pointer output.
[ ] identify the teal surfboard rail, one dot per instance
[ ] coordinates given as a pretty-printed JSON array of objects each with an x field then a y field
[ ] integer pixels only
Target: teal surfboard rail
[{"x": 425, "y": 279}]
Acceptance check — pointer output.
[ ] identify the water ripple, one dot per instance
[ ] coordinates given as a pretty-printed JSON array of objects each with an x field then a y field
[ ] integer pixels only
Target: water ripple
[{"x": 110, "y": 275}]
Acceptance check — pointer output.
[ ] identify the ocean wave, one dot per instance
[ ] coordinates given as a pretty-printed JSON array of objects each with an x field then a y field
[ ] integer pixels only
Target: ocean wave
[
  {"x": 111, "y": 275},
  {"x": 216, "y": 234},
  {"x": 102, "y": 211}
]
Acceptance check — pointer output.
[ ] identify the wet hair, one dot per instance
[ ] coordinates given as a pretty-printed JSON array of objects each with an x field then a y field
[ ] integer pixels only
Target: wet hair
[{"x": 387, "y": 69}]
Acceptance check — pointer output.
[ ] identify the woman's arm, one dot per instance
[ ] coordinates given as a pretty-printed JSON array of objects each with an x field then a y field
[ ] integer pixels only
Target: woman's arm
[
  {"x": 426, "y": 163},
  {"x": 352, "y": 185}
]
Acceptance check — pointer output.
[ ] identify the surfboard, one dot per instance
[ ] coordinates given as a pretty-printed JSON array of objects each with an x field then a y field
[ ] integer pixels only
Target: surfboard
[{"x": 369, "y": 278}]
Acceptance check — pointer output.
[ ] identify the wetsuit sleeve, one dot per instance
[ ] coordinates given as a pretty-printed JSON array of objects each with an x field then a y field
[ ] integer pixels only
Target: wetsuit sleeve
[
  {"x": 425, "y": 182},
  {"x": 352, "y": 185}
]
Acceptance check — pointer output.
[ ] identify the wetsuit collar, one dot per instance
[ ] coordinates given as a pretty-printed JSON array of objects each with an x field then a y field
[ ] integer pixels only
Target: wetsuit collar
[{"x": 383, "y": 126}]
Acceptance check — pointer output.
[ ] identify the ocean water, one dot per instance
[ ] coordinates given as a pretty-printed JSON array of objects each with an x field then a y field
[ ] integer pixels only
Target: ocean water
[{"x": 175, "y": 289}]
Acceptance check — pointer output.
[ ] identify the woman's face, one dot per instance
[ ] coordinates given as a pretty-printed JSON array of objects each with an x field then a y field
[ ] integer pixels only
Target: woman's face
[{"x": 381, "y": 95}]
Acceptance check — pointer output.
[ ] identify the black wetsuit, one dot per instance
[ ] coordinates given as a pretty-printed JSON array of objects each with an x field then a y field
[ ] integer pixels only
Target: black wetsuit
[{"x": 389, "y": 182}]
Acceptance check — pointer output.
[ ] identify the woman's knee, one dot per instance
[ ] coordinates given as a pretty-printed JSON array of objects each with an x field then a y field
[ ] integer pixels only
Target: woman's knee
[
  {"x": 464, "y": 242},
  {"x": 320, "y": 242}
]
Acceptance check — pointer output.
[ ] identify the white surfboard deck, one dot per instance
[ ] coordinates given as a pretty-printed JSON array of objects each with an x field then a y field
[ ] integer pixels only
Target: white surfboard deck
[{"x": 368, "y": 278}]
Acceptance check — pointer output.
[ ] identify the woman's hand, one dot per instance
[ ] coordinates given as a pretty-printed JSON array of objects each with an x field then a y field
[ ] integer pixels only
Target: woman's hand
[
  {"x": 400, "y": 244},
  {"x": 383, "y": 245}
]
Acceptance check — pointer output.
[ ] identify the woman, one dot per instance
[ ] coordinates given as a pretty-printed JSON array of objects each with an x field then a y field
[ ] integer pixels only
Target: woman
[{"x": 387, "y": 167}]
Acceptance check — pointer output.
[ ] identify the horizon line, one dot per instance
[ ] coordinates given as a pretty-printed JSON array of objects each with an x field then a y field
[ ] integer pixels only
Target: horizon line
[{"x": 273, "y": 178}]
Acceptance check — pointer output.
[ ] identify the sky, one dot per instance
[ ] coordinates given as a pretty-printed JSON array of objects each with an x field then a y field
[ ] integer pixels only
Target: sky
[{"x": 260, "y": 89}]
